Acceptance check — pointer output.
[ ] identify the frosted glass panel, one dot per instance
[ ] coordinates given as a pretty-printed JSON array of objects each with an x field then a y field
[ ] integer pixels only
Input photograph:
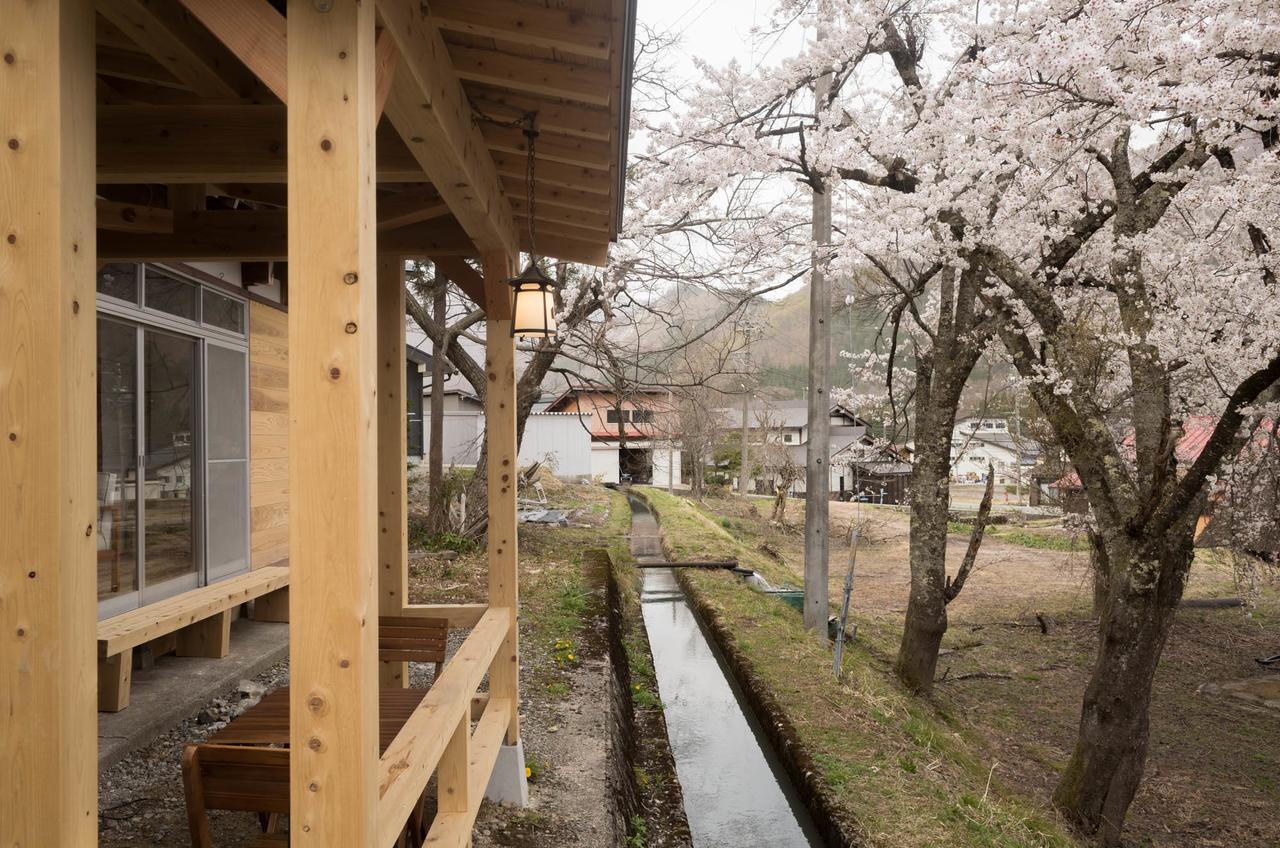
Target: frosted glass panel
[
  {"x": 228, "y": 545},
  {"x": 228, "y": 419}
]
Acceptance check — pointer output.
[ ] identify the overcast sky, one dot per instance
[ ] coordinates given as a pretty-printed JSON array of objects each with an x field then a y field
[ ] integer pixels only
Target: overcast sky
[{"x": 717, "y": 30}]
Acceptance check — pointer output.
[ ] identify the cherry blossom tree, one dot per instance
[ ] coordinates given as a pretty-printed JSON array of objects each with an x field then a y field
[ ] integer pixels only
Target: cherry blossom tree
[{"x": 1052, "y": 159}]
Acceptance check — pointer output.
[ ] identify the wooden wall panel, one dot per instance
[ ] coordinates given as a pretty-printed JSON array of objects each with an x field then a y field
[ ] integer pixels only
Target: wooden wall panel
[{"x": 268, "y": 435}]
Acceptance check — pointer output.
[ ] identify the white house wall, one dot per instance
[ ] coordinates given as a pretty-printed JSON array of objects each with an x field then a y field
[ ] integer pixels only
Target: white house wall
[
  {"x": 665, "y": 457},
  {"x": 604, "y": 463},
  {"x": 463, "y": 432},
  {"x": 560, "y": 442}
]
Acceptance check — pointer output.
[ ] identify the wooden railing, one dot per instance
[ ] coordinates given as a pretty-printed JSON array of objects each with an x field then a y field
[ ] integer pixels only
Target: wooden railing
[{"x": 439, "y": 736}]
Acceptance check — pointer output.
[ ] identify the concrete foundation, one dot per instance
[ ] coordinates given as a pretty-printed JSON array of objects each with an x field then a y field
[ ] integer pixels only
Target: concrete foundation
[{"x": 508, "y": 783}]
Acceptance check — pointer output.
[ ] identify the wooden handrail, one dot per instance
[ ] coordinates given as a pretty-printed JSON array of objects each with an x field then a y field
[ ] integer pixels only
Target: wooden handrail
[
  {"x": 412, "y": 757},
  {"x": 458, "y": 615},
  {"x": 453, "y": 828}
]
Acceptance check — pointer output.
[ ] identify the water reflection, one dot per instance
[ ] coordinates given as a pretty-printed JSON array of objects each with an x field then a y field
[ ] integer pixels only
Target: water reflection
[{"x": 735, "y": 792}]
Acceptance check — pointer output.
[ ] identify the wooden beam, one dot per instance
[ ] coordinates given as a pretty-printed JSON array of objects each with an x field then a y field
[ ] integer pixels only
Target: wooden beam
[
  {"x": 139, "y": 67},
  {"x": 393, "y": 454},
  {"x": 453, "y": 827},
  {"x": 252, "y": 30},
  {"x": 256, "y": 33},
  {"x": 412, "y": 757},
  {"x": 550, "y": 146},
  {"x": 574, "y": 177},
  {"x": 260, "y": 235},
  {"x": 411, "y": 206},
  {"x": 597, "y": 220},
  {"x": 569, "y": 31},
  {"x": 172, "y": 38},
  {"x": 502, "y": 468},
  {"x": 431, "y": 112},
  {"x": 464, "y": 616},
  {"x": 131, "y": 218},
  {"x": 594, "y": 252},
  {"x": 554, "y": 195},
  {"x": 48, "y": 736},
  {"x": 549, "y": 77},
  {"x": 214, "y": 144},
  {"x": 333, "y": 481},
  {"x": 555, "y": 115},
  {"x": 463, "y": 276}
]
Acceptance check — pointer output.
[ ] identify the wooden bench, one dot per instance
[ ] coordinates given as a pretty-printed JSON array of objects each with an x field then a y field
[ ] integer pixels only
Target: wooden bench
[{"x": 200, "y": 620}]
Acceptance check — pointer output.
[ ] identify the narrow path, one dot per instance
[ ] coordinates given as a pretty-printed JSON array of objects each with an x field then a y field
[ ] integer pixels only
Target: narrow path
[{"x": 735, "y": 791}]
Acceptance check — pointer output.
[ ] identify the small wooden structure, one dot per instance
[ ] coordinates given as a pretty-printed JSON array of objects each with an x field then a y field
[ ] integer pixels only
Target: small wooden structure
[{"x": 343, "y": 137}]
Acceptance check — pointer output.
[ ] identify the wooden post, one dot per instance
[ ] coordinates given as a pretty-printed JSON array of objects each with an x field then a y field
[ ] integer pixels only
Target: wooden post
[
  {"x": 333, "y": 481},
  {"x": 393, "y": 454},
  {"x": 503, "y": 468},
  {"x": 48, "y": 515}
]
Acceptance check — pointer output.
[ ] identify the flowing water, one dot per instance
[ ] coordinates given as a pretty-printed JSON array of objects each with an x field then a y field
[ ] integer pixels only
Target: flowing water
[{"x": 735, "y": 790}]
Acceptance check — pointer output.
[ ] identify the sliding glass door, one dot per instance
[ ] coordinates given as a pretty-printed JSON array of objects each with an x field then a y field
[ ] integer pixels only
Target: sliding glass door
[
  {"x": 169, "y": 464},
  {"x": 173, "y": 437}
]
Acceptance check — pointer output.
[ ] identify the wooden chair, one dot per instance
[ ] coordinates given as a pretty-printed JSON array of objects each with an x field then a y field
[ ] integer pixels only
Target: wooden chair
[
  {"x": 235, "y": 777},
  {"x": 413, "y": 640}
]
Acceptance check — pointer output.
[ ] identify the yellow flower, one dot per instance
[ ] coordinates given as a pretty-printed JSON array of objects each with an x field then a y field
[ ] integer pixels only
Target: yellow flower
[{"x": 528, "y": 772}]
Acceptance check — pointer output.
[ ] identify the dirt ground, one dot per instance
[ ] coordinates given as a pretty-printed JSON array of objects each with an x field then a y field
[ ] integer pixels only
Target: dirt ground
[{"x": 1213, "y": 770}]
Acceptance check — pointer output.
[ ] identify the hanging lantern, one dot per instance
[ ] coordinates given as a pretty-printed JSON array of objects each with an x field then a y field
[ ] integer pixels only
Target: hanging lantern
[{"x": 533, "y": 306}]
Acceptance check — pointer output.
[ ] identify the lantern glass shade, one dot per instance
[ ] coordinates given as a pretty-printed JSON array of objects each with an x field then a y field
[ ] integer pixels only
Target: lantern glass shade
[{"x": 533, "y": 311}]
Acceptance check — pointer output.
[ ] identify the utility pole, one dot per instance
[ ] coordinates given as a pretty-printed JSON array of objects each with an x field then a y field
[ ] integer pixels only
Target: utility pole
[
  {"x": 671, "y": 442},
  {"x": 817, "y": 507},
  {"x": 744, "y": 473}
]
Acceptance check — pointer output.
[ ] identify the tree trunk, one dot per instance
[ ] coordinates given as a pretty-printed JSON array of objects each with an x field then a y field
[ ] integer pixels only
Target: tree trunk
[
  {"x": 1100, "y": 568},
  {"x": 1106, "y": 766},
  {"x": 926, "y": 619},
  {"x": 437, "y": 509}
]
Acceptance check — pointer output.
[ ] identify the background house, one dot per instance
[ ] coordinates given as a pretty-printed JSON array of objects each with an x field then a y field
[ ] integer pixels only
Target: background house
[
  {"x": 975, "y": 442},
  {"x": 785, "y": 423},
  {"x": 629, "y": 437}
]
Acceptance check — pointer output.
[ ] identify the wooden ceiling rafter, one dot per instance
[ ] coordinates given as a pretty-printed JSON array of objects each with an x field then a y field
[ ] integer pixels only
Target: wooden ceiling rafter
[
  {"x": 567, "y": 30},
  {"x": 164, "y": 31},
  {"x": 547, "y": 77}
]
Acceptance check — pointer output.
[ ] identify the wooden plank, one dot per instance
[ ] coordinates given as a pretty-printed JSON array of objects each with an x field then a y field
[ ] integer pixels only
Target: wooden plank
[
  {"x": 452, "y": 783},
  {"x": 502, "y": 469},
  {"x": 210, "y": 637},
  {"x": 566, "y": 30},
  {"x": 169, "y": 36},
  {"x": 463, "y": 276},
  {"x": 132, "y": 218},
  {"x": 464, "y": 616},
  {"x": 550, "y": 146},
  {"x": 115, "y": 675},
  {"x": 47, "y": 354},
  {"x": 597, "y": 220},
  {"x": 453, "y": 828},
  {"x": 273, "y": 606},
  {"x": 135, "y": 66},
  {"x": 556, "y": 115},
  {"x": 431, "y": 112},
  {"x": 559, "y": 196},
  {"x": 574, "y": 177},
  {"x": 549, "y": 77},
  {"x": 214, "y": 144},
  {"x": 411, "y": 759},
  {"x": 254, "y": 31},
  {"x": 154, "y": 620},
  {"x": 262, "y": 235},
  {"x": 333, "y": 547},
  {"x": 393, "y": 452},
  {"x": 411, "y": 206}
]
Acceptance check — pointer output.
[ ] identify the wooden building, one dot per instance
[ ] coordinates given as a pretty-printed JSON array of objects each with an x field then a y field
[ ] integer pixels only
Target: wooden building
[{"x": 308, "y": 149}]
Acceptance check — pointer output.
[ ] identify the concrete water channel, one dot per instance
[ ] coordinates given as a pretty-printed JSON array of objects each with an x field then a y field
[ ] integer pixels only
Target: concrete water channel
[{"x": 736, "y": 792}]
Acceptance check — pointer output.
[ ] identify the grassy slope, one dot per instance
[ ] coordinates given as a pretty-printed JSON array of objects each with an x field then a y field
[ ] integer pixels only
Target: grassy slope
[{"x": 904, "y": 771}]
